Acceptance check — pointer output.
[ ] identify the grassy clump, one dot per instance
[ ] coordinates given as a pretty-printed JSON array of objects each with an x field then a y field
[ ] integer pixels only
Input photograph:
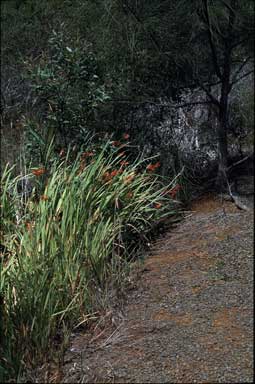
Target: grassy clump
[{"x": 65, "y": 239}]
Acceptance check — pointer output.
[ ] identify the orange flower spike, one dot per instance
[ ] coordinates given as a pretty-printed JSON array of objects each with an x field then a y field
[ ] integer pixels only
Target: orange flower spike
[
  {"x": 174, "y": 190},
  {"x": 39, "y": 171},
  {"x": 116, "y": 143},
  {"x": 129, "y": 195},
  {"x": 126, "y": 136},
  {"x": 87, "y": 154},
  {"x": 114, "y": 173},
  {"x": 129, "y": 178},
  {"x": 44, "y": 198},
  {"x": 82, "y": 165},
  {"x": 62, "y": 153},
  {"x": 150, "y": 167},
  {"x": 158, "y": 205},
  {"x": 106, "y": 176},
  {"x": 29, "y": 226}
]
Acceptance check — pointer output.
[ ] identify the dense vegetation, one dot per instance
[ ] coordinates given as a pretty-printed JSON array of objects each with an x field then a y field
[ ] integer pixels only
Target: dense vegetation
[
  {"x": 77, "y": 192},
  {"x": 75, "y": 230}
]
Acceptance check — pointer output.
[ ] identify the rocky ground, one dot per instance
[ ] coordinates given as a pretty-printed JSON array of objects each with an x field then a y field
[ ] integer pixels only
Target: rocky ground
[{"x": 189, "y": 316}]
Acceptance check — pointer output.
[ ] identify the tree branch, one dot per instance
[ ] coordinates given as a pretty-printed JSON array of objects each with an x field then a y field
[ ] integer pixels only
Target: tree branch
[
  {"x": 238, "y": 162},
  {"x": 212, "y": 46},
  {"x": 208, "y": 93},
  {"x": 191, "y": 104},
  {"x": 240, "y": 68},
  {"x": 241, "y": 77},
  {"x": 240, "y": 42},
  {"x": 227, "y": 5},
  {"x": 137, "y": 18},
  {"x": 176, "y": 106}
]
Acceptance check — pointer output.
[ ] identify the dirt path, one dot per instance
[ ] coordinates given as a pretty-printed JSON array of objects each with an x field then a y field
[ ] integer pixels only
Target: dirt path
[{"x": 189, "y": 320}]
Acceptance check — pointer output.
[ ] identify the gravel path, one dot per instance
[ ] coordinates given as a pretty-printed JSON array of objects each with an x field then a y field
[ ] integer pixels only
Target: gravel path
[{"x": 190, "y": 317}]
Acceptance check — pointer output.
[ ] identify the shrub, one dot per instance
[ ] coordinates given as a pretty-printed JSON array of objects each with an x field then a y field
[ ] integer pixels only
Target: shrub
[
  {"x": 74, "y": 228},
  {"x": 69, "y": 87}
]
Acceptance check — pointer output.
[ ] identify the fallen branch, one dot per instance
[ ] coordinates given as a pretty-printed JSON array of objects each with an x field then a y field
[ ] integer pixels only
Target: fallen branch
[
  {"x": 239, "y": 204},
  {"x": 236, "y": 200}
]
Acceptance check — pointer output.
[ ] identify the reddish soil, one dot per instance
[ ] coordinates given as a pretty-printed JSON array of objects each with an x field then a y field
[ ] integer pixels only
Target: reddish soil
[{"x": 188, "y": 317}]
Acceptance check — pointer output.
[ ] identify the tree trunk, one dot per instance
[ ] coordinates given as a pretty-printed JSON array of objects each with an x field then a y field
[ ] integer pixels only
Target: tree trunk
[
  {"x": 223, "y": 154},
  {"x": 222, "y": 129},
  {"x": 222, "y": 180},
  {"x": 223, "y": 122}
]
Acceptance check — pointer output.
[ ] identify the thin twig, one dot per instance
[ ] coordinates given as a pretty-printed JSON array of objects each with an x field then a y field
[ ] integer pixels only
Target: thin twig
[
  {"x": 238, "y": 162},
  {"x": 109, "y": 338}
]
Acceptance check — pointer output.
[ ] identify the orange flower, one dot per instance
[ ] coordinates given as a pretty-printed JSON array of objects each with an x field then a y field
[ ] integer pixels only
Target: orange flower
[
  {"x": 109, "y": 175},
  {"x": 115, "y": 172},
  {"x": 116, "y": 143},
  {"x": 126, "y": 136},
  {"x": 129, "y": 195},
  {"x": 29, "y": 225},
  {"x": 87, "y": 154},
  {"x": 82, "y": 165},
  {"x": 174, "y": 191},
  {"x": 123, "y": 163},
  {"x": 44, "y": 197},
  {"x": 152, "y": 167},
  {"x": 129, "y": 178},
  {"x": 106, "y": 176},
  {"x": 157, "y": 205},
  {"x": 39, "y": 171}
]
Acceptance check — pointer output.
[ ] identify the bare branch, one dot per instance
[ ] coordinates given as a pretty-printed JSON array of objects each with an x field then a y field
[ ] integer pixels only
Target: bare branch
[
  {"x": 241, "y": 67},
  {"x": 238, "y": 162},
  {"x": 175, "y": 106},
  {"x": 191, "y": 104},
  {"x": 241, "y": 77},
  {"x": 137, "y": 18},
  {"x": 227, "y": 6},
  {"x": 240, "y": 42},
  {"x": 209, "y": 94},
  {"x": 212, "y": 46}
]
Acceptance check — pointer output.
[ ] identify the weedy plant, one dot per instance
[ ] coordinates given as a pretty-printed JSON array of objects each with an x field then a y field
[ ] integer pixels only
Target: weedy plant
[{"x": 72, "y": 231}]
